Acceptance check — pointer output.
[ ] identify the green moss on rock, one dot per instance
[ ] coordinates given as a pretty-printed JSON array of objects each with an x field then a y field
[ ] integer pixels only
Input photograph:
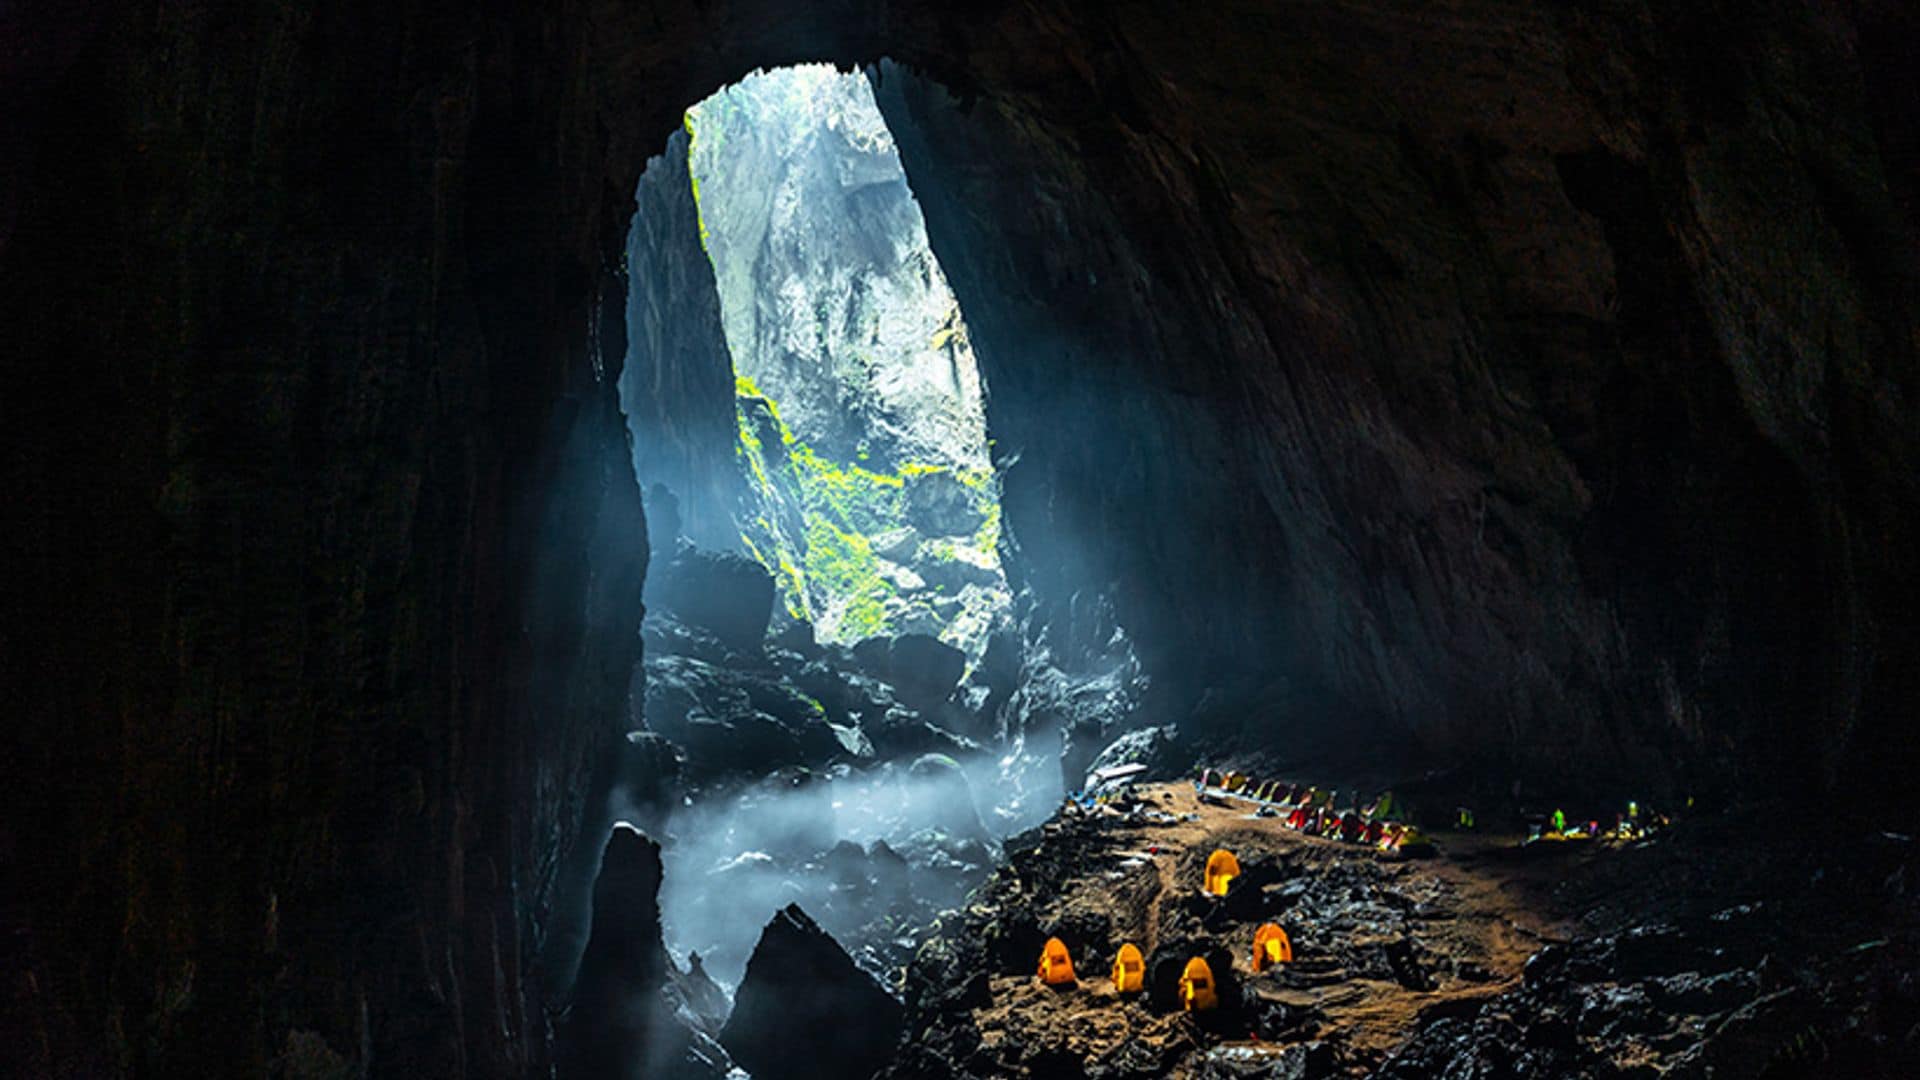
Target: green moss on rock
[{"x": 831, "y": 573}]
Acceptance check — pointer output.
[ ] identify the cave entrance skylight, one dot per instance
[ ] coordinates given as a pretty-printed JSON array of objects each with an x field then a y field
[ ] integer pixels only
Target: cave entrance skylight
[{"x": 868, "y": 493}]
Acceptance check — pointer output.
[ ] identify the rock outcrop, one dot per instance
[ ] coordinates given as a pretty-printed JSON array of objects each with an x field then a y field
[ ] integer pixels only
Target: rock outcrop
[
  {"x": 625, "y": 1021},
  {"x": 923, "y": 669},
  {"x": 677, "y": 385},
  {"x": 726, "y": 594},
  {"x": 805, "y": 1012}
]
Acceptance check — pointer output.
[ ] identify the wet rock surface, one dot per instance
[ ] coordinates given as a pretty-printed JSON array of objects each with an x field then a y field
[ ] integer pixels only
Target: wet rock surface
[
  {"x": 849, "y": 456},
  {"x": 735, "y": 710},
  {"x": 834, "y": 305}
]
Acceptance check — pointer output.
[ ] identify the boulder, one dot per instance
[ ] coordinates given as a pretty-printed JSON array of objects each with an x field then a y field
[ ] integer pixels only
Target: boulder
[
  {"x": 942, "y": 797},
  {"x": 733, "y": 720},
  {"x": 844, "y": 694},
  {"x": 938, "y": 504},
  {"x": 999, "y": 667},
  {"x": 874, "y": 656},
  {"x": 924, "y": 668},
  {"x": 744, "y": 743},
  {"x": 901, "y": 733},
  {"x": 900, "y": 577},
  {"x": 804, "y": 1011},
  {"x": 700, "y": 999},
  {"x": 895, "y": 544},
  {"x": 665, "y": 635},
  {"x": 950, "y": 566},
  {"x": 921, "y": 670},
  {"x": 892, "y": 876},
  {"x": 795, "y": 636},
  {"x": 1083, "y": 708},
  {"x": 1155, "y": 747},
  {"x": 625, "y": 1020},
  {"x": 722, "y": 592}
]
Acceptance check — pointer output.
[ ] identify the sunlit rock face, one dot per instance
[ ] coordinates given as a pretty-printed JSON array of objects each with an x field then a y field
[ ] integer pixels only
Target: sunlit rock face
[
  {"x": 834, "y": 305},
  {"x": 859, "y": 473}
]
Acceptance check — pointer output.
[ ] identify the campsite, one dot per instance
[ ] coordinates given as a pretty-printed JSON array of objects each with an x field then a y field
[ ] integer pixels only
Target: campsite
[{"x": 1392, "y": 967}]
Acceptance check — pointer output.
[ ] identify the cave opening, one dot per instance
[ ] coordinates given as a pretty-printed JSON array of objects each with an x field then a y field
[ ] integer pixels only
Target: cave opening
[
  {"x": 830, "y": 632},
  {"x": 869, "y": 493}
]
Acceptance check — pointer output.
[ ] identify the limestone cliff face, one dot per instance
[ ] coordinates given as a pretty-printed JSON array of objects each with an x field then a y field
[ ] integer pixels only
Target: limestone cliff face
[
  {"x": 677, "y": 386},
  {"x": 1533, "y": 383},
  {"x": 835, "y": 306},
  {"x": 856, "y": 467}
]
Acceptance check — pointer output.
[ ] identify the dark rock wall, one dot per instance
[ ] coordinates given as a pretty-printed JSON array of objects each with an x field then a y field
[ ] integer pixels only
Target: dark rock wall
[
  {"x": 1532, "y": 384},
  {"x": 323, "y": 556},
  {"x": 1538, "y": 383}
]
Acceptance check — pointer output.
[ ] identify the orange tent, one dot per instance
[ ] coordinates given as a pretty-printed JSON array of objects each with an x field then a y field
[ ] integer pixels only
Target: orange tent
[
  {"x": 1056, "y": 967},
  {"x": 1271, "y": 946},
  {"x": 1222, "y": 868},
  {"x": 1196, "y": 986},
  {"x": 1129, "y": 970}
]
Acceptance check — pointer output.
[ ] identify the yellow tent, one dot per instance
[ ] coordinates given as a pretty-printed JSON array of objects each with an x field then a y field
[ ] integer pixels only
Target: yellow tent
[
  {"x": 1271, "y": 946},
  {"x": 1222, "y": 868},
  {"x": 1196, "y": 986},
  {"x": 1129, "y": 970},
  {"x": 1056, "y": 967}
]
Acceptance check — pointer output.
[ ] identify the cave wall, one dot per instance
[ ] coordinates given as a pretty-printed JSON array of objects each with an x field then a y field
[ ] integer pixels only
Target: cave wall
[
  {"x": 1534, "y": 383},
  {"x": 324, "y": 558},
  {"x": 1510, "y": 382},
  {"x": 677, "y": 386}
]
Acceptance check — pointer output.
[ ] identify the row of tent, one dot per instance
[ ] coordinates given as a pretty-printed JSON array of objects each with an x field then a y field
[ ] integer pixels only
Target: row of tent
[
  {"x": 1310, "y": 810},
  {"x": 1198, "y": 991},
  {"x": 1635, "y": 823}
]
